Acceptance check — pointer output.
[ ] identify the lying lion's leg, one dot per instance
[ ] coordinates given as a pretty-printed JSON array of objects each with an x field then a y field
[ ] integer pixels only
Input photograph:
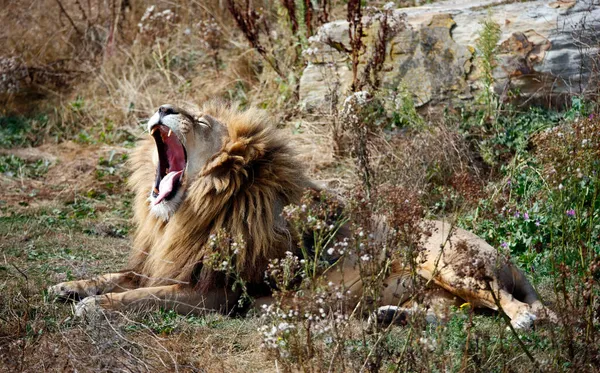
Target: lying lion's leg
[
  {"x": 181, "y": 298},
  {"x": 520, "y": 313},
  {"x": 514, "y": 280},
  {"x": 399, "y": 299},
  {"x": 398, "y": 287},
  {"x": 108, "y": 283},
  {"x": 473, "y": 292}
]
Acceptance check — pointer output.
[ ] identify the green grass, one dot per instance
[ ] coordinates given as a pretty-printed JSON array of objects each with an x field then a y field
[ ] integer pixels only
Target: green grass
[
  {"x": 19, "y": 131},
  {"x": 13, "y": 166}
]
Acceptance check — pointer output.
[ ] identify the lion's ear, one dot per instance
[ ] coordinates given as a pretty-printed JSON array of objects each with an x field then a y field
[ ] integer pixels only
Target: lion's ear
[
  {"x": 226, "y": 167},
  {"x": 246, "y": 149},
  {"x": 231, "y": 165},
  {"x": 217, "y": 161}
]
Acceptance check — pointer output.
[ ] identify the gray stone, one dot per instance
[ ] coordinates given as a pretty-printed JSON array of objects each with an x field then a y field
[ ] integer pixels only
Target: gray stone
[{"x": 547, "y": 49}]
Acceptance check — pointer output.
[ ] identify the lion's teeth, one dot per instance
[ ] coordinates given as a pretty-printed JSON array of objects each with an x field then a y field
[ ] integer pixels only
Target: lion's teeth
[
  {"x": 170, "y": 131},
  {"x": 152, "y": 132},
  {"x": 156, "y": 190}
]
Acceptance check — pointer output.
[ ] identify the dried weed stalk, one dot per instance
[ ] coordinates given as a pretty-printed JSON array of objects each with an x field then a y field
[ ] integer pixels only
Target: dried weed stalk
[
  {"x": 355, "y": 32},
  {"x": 253, "y": 23},
  {"x": 354, "y": 120},
  {"x": 389, "y": 25},
  {"x": 290, "y": 7}
]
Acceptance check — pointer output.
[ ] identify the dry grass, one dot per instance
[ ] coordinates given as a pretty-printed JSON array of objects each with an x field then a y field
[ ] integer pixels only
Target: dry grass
[{"x": 55, "y": 238}]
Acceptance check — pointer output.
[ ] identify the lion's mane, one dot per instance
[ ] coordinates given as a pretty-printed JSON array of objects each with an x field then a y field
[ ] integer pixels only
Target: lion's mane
[{"x": 241, "y": 190}]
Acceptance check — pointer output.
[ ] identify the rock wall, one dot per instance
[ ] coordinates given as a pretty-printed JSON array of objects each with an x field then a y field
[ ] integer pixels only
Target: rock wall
[{"x": 546, "y": 50}]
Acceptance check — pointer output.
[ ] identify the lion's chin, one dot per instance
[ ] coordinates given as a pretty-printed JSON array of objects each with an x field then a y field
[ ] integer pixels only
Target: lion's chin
[{"x": 165, "y": 209}]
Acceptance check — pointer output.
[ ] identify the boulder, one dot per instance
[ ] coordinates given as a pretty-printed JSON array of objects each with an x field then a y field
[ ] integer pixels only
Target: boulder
[{"x": 547, "y": 50}]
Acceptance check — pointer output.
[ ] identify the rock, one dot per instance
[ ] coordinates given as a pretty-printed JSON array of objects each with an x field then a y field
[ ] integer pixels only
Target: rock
[{"x": 546, "y": 50}]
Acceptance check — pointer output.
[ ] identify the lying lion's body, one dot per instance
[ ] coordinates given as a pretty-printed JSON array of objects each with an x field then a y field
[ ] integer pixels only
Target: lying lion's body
[{"x": 239, "y": 174}]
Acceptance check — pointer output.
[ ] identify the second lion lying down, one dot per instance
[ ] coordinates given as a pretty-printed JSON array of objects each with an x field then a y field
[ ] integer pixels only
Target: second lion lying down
[{"x": 222, "y": 170}]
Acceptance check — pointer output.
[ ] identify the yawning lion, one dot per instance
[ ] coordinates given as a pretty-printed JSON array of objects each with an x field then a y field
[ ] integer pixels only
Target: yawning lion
[{"x": 220, "y": 169}]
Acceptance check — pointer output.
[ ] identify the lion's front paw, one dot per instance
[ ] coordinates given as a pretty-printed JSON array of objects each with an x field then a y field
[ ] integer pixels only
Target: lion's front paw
[
  {"x": 65, "y": 291},
  {"x": 88, "y": 306}
]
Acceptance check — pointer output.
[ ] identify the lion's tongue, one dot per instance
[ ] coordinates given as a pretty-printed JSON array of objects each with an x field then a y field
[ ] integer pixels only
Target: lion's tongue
[{"x": 166, "y": 185}]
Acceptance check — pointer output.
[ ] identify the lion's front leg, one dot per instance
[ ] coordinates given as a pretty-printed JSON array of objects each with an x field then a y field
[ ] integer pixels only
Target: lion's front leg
[
  {"x": 109, "y": 283},
  {"x": 182, "y": 299}
]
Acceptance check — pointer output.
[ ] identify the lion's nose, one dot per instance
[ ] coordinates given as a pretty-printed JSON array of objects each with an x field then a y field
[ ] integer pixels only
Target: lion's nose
[{"x": 165, "y": 110}]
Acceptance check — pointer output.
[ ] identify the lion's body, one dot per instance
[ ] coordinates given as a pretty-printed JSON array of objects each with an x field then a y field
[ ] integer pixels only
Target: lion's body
[
  {"x": 239, "y": 174},
  {"x": 459, "y": 267}
]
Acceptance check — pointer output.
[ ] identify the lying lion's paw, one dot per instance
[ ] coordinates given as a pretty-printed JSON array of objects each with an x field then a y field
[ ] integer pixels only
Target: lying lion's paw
[
  {"x": 64, "y": 291},
  {"x": 549, "y": 315},
  {"x": 523, "y": 320},
  {"x": 88, "y": 306},
  {"x": 387, "y": 315},
  {"x": 544, "y": 313}
]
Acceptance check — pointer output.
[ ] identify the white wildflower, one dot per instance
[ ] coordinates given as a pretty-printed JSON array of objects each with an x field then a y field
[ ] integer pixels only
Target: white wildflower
[{"x": 389, "y": 6}]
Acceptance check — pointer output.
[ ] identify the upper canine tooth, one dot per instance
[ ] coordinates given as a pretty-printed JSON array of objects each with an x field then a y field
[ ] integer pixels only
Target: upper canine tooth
[
  {"x": 153, "y": 130},
  {"x": 170, "y": 131}
]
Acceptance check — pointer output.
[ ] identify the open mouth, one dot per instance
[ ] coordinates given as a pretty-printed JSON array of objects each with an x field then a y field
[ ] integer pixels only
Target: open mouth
[{"x": 172, "y": 159}]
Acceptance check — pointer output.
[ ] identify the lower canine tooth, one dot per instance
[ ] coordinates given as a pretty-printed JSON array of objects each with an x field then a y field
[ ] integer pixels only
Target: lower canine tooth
[{"x": 170, "y": 131}]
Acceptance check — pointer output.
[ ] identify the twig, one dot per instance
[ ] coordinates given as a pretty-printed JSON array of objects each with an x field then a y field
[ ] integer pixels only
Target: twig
[
  {"x": 62, "y": 9},
  {"x": 246, "y": 20},
  {"x": 83, "y": 14},
  {"x": 308, "y": 10},
  {"x": 21, "y": 272},
  {"x": 512, "y": 329},
  {"x": 355, "y": 33}
]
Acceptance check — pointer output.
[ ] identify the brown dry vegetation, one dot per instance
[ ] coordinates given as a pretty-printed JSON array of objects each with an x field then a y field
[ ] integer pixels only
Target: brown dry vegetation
[{"x": 80, "y": 77}]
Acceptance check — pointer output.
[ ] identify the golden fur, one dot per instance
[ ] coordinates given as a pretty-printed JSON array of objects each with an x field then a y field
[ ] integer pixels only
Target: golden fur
[{"x": 236, "y": 191}]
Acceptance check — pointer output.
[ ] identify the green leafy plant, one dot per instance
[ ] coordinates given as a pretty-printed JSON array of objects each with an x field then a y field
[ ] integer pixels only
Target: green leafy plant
[
  {"x": 511, "y": 133},
  {"x": 18, "y": 131},
  {"x": 545, "y": 211},
  {"x": 486, "y": 45},
  {"x": 404, "y": 112},
  {"x": 580, "y": 108},
  {"x": 11, "y": 165}
]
